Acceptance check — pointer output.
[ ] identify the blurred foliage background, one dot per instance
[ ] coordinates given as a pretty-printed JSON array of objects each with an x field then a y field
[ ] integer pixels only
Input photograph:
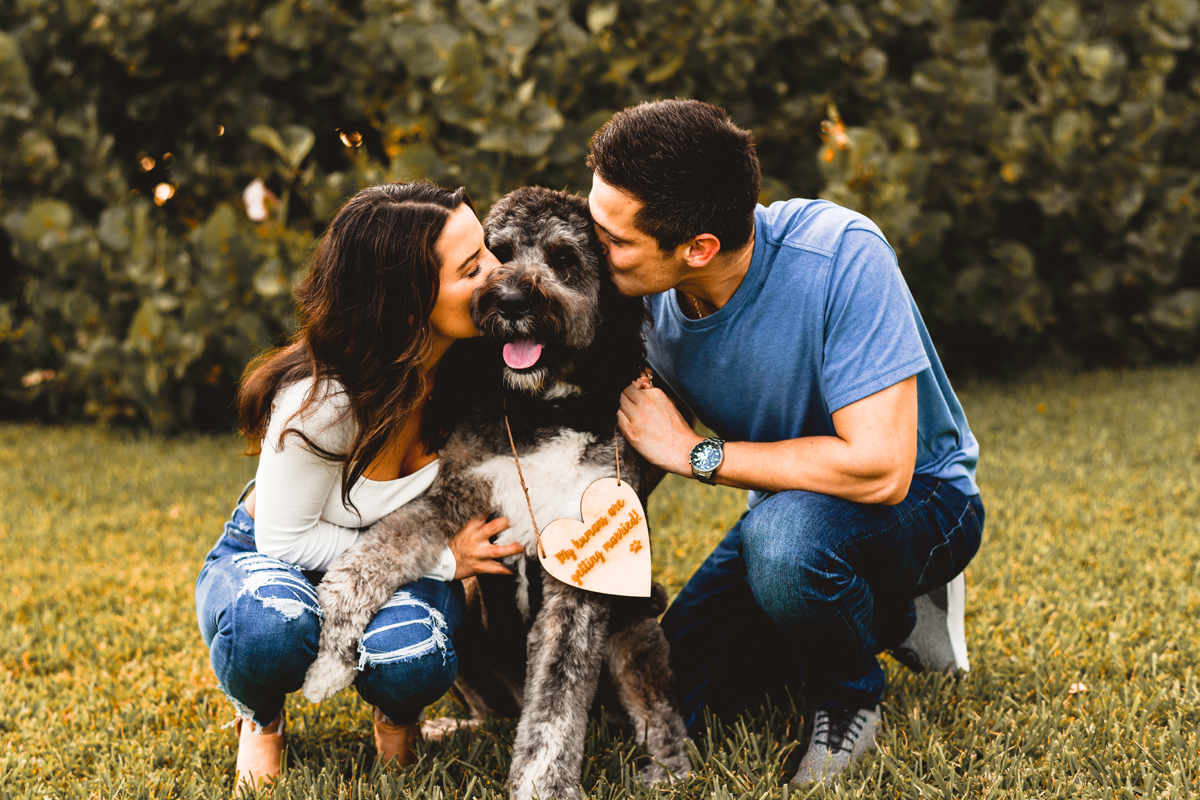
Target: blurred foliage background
[{"x": 165, "y": 165}]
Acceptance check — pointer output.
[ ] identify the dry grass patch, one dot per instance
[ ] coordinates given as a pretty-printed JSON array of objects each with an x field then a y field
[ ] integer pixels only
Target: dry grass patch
[{"x": 1088, "y": 577}]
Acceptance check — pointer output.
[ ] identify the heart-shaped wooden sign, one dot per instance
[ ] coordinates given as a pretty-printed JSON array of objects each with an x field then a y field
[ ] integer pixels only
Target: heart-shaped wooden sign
[{"x": 609, "y": 552}]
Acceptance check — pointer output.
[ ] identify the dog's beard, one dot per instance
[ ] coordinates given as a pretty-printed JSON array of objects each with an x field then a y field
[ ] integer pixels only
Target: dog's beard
[{"x": 530, "y": 381}]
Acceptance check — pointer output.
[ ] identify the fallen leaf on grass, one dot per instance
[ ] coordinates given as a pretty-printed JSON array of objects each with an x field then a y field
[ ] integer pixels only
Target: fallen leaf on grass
[{"x": 1076, "y": 688}]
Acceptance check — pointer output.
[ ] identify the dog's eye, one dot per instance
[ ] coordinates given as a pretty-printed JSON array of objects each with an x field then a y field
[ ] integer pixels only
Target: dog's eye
[
  {"x": 503, "y": 252},
  {"x": 564, "y": 259}
]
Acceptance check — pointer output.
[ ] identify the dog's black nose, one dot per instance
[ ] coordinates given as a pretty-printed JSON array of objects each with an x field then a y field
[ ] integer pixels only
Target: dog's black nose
[{"x": 513, "y": 305}]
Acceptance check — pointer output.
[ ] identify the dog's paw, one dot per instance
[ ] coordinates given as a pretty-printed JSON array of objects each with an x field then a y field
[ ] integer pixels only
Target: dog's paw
[
  {"x": 656, "y": 773},
  {"x": 543, "y": 788},
  {"x": 434, "y": 730},
  {"x": 327, "y": 676},
  {"x": 653, "y": 774},
  {"x": 528, "y": 790}
]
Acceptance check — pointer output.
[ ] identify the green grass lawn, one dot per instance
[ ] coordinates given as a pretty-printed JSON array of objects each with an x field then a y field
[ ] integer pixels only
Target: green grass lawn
[{"x": 1088, "y": 576}]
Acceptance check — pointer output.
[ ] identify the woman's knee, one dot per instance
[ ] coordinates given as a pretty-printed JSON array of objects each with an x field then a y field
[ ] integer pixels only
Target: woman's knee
[
  {"x": 406, "y": 654},
  {"x": 403, "y": 687},
  {"x": 268, "y": 631}
]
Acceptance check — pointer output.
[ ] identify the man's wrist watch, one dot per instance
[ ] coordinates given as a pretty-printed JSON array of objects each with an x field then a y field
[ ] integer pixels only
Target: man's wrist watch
[{"x": 706, "y": 457}]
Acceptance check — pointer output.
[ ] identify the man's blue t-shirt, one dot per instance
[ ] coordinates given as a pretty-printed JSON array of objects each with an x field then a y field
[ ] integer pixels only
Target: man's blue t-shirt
[{"x": 822, "y": 319}]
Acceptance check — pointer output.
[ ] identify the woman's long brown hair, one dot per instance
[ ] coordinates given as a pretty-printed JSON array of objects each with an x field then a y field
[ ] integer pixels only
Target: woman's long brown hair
[{"x": 364, "y": 310}]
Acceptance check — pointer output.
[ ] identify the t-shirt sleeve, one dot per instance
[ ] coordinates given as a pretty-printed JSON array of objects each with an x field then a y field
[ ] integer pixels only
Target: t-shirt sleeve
[
  {"x": 871, "y": 337},
  {"x": 293, "y": 483}
]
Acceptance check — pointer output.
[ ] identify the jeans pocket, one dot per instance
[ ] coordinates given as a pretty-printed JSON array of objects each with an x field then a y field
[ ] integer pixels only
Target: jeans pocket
[
  {"x": 245, "y": 541},
  {"x": 241, "y": 526},
  {"x": 953, "y": 540},
  {"x": 237, "y": 537},
  {"x": 939, "y": 568},
  {"x": 975, "y": 507}
]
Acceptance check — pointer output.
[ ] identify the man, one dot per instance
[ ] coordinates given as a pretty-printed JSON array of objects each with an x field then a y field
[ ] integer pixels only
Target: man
[{"x": 790, "y": 332}]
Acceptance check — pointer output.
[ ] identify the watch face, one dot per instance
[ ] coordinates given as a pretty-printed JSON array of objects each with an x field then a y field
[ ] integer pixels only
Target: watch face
[{"x": 706, "y": 457}]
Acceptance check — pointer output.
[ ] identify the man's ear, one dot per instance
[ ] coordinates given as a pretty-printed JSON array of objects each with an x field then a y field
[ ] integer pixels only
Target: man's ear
[{"x": 701, "y": 250}]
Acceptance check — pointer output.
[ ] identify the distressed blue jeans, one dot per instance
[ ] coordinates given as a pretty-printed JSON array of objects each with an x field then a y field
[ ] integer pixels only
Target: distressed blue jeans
[
  {"x": 260, "y": 618},
  {"x": 808, "y": 588}
]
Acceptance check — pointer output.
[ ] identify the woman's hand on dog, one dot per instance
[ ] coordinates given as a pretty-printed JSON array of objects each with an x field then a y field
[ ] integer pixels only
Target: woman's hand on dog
[{"x": 474, "y": 553}]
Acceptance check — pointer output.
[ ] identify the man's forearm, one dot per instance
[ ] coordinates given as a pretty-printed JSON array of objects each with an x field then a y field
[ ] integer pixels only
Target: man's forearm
[
  {"x": 871, "y": 460},
  {"x": 823, "y": 464}
]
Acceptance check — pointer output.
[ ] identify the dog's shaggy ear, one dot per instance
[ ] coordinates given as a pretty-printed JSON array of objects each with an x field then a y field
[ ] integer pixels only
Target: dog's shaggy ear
[{"x": 619, "y": 350}]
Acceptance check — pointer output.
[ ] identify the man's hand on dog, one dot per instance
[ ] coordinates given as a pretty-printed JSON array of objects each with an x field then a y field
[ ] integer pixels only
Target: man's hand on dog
[
  {"x": 651, "y": 422},
  {"x": 475, "y": 554}
]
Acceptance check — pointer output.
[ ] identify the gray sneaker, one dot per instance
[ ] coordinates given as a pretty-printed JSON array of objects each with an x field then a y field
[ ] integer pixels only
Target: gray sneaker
[
  {"x": 939, "y": 640},
  {"x": 840, "y": 737}
]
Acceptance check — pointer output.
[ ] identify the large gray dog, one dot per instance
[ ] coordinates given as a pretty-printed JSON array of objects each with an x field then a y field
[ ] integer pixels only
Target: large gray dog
[{"x": 559, "y": 345}]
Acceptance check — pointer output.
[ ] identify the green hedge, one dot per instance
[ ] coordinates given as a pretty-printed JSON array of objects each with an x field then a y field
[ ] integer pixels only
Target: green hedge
[{"x": 1035, "y": 164}]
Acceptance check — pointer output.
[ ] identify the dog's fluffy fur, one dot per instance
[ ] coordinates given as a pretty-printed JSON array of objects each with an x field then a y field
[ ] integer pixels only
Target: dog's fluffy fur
[{"x": 562, "y": 411}]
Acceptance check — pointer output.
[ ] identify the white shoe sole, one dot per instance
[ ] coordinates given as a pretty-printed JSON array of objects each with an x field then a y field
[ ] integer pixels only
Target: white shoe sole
[{"x": 956, "y": 605}]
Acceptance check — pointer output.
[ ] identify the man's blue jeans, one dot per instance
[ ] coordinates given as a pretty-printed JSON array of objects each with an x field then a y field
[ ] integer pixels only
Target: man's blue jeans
[
  {"x": 260, "y": 619},
  {"x": 808, "y": 587}
]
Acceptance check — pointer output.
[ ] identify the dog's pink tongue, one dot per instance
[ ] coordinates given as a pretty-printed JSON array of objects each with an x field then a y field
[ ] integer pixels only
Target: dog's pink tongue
[{"x": 522, "y": 354}]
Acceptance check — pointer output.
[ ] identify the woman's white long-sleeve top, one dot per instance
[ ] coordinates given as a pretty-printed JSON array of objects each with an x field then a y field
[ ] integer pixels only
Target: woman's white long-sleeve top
[{"x": 299, "y": 516}]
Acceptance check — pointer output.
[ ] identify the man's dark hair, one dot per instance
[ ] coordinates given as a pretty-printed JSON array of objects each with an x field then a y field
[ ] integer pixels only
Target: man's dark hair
[{"x": 689, "y": 166}]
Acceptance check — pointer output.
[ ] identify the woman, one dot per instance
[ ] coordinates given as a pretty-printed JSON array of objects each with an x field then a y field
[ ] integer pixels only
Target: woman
[{"x": 337, "y": 417}]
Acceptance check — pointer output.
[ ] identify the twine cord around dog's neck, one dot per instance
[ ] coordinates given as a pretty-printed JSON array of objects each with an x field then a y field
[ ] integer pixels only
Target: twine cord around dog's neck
[
  {"x": 617, "y": 453},
  {"x": 520, "y": 476}
]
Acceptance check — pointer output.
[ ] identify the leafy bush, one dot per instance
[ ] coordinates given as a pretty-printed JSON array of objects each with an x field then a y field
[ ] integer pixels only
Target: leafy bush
[{"x": 1035, "y": 164}]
